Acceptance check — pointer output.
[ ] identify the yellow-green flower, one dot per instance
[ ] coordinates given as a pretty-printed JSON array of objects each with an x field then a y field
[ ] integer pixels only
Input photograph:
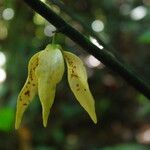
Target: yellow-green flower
[{"x": 45, "y": 71}]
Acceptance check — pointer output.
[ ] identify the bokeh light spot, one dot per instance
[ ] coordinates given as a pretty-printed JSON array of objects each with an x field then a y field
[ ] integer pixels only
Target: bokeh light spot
[
  {"x": 92, "y": 62},
  {"x": 49, "y": 29},
  {"x": 2, "y": 75},
  {"x": 94, "y": 41},
  {"x": 144, "y": 135},
  {"x": 2, "y": 59},
  {"x": 97, "y": 25},
  {"x": 8, "y": 13},
  {"x": 38, "y": 19},
  {"x": 138, "y": 13},
  {"x": 43, "y": 1}
]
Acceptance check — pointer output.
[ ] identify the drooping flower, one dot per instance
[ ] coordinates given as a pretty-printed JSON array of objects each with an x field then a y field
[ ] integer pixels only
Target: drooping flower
[{"x": 45, "y": 71}]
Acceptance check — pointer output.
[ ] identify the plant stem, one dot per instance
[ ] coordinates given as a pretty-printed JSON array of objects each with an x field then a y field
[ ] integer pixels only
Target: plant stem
[
  {"x": 104, "y": 56},
  {"x": 85, "y": 25},
  {"x": 53, "y": 39}
]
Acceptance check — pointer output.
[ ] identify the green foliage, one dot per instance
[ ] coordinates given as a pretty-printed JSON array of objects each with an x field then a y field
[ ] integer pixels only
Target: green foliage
[
  {"x": 127, "y": 147},
  {"x": 122, "y": 112},
  {"x": 144, "y": 37},
  {"x": 144, "y": 110},
  {"x": 6, "y": 119}
]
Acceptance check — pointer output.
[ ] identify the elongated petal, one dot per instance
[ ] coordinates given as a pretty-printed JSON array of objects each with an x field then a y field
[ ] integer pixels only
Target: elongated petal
[
  {"x": 49, "y": 72},
  {"x": 77, "y": 78},
  {"x": 28, "y": 91}
]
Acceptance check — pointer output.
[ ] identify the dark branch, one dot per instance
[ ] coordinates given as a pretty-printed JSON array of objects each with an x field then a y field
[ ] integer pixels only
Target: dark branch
[
  {"x": 104, "y": 56},
  {"x": 85, "y": 25}
]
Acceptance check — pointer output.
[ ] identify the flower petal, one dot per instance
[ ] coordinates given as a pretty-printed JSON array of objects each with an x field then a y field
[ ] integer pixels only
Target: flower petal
[
  {"x": 49, "y": 72},
  {"x": 28, "y": 91},
  {"x": 77, "y": 78}
]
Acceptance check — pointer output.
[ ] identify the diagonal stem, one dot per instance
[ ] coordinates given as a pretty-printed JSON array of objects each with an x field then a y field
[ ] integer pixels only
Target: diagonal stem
[
  {"x": 84, "y": 24},
  {"x": 104, "y": 56}
]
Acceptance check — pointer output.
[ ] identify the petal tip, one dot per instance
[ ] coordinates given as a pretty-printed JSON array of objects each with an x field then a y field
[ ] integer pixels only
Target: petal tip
[
  {"x": 17, "y": 122},
  {"x": 17, "y": 125},
  {"x": 45, "y": 123},
  {"x": 94, "y": 119},
  {"x": 45, "y": 119}
]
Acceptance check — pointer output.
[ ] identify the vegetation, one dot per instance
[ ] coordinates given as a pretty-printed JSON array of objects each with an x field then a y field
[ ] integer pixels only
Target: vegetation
[{"x": 122, "y": 112}]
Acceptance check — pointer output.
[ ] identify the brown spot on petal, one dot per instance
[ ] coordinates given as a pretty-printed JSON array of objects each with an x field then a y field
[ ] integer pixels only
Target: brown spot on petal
[
  {"x": 27, "y": 93},
  {"x": 30, "y": 75},
  {"x": 74, "y": 75},
  {"x": 33, "y": 84},
  {"x": 25, "y": 104},
  {"x": 20, "y": 99},
  {"x": 77, "y": 85},
  {"x": 78, "y": 89}
]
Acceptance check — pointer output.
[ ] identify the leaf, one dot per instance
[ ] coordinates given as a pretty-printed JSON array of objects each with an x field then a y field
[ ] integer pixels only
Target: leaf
[
  {"x": 144, "y": 37},
  {"x": 49, "y": 72},
  {"x": 7, "y": 115},
  {"x": 28, "y": 91},
  {"x": 77, "y": 78}
]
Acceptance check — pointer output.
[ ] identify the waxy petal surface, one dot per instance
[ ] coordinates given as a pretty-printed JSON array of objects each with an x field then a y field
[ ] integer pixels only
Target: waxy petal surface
[
  {"x": 77, "y": 78},
  {"x": 28, "y": 91},
  {"x": 49, "y": 72}
]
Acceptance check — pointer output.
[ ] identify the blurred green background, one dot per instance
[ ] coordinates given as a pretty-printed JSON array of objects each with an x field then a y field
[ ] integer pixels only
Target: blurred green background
[{"x": 123, "y": 113}]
